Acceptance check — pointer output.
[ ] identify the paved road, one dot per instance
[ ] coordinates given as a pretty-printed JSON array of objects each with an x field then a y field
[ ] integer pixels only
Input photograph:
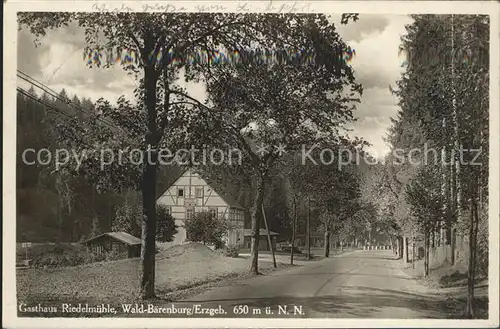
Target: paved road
[{"x": 361, "y": 284}]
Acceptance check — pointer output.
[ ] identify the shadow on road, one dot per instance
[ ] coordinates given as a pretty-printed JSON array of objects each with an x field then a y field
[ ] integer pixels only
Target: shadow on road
[
  {"x": 354, "y": 301},
  {"x": 350, "y": 274}
]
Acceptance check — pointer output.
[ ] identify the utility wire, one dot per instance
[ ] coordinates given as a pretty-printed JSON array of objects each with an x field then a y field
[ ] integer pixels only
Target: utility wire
[
  {"x": 54, "y": 94},
  {"x": 47, "y": 105},
  {"x": 27, "y": 94}
]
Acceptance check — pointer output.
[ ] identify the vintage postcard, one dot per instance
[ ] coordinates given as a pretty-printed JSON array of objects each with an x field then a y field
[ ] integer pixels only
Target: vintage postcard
[{"x": 209, "y": 164}]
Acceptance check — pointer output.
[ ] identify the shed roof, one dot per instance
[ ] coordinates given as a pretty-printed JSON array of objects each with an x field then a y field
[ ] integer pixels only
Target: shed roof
[
  {"x": 121, "y": 236},
  {"x": 263, "y": 231}
]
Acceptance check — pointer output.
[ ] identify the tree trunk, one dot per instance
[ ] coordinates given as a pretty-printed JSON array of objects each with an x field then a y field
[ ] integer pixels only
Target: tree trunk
[
  {"x": 413, "y": 254},
  {"x": 148, "y": 234},
  {"x": 327, "y": 242},
  {"x": 432, "y": 238},
  {"x": 472, "y": 259},
  {"x": 269, "y": 240},
  {"x": 445, "y": 190},
  {"x": 397, "y": 247},
  {"x": 426, "y": 253},
  {"x": 454, "y": 212},
  {"x": 452, "y": 204},
  {"x": 59, "y": 223},
  {"x": 294, "y": 228},
  {"x": 457, "y": 188},
  {"x": 406, "y": 252},
  {"x": 401, "y": 247},
  {"x": 456, "y": 130},
  {"x": 453, "y": 242},
  {"x": 308, "y": 228},
  {"x": 256, "y": 213}
]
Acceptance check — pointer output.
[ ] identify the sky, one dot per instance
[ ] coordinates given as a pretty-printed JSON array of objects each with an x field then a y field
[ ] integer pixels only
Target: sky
[{"x": 58, "y": 62}]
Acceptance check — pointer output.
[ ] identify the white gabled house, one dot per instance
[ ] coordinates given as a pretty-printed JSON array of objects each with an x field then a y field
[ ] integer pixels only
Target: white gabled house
[{"x": 190, "y": 193}]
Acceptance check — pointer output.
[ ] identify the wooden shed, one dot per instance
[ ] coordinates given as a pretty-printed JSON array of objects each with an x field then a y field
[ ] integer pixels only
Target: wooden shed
[
  {"x": 263, "y": 242},
  {"x": 122, "y": 243}
]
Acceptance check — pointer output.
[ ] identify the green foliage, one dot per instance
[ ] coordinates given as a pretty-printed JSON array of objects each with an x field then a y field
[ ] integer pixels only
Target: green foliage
[
  {"x": 162, "y": 103},
  {"x": 165, "y": 225},
  {"x": 442, "y": 95},
  {"x": 128, "y": 216},
  {"x": 321, "y": 91},
  {"x": 62, "y": 255},
  {"x": 53, "y": 205},
  {"x": 231, "y": 251},
  {"x": 207, "y": 228},
  {"x": 129, "y": 219},
  {"x": 425, "y": 198}
]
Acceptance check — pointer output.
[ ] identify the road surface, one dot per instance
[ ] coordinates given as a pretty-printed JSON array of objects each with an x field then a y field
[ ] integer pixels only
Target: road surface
[{"x": 361, "y": 284}]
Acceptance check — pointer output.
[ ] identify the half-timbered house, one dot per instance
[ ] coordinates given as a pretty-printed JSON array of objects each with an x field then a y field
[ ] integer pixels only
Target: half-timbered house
[{"x": 190, "y": 193}]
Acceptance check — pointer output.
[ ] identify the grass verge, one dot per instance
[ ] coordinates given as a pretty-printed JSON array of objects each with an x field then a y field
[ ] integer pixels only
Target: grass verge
[{"x": 180, "y": 271}]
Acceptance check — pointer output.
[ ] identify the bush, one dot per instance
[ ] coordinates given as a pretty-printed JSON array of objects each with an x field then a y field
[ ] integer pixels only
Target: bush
[
  {"x": 70, "y": 255},
  {"x": 231, "y": 251},
  {"x": 128, "y": 218},
  {"x": 166, "y": 228},
  {"x": 219, "y": 244},
  {"x": 207, "y": 228},
  {"x": 62, "y": 255}
]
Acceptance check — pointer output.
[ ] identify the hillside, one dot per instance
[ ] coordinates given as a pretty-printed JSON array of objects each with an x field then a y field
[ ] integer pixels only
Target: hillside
[{"x": 177, "y": 267}]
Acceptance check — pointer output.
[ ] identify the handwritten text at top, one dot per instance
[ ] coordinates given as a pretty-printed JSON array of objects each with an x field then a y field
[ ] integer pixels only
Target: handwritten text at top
[{"x": 280, "y": 7}]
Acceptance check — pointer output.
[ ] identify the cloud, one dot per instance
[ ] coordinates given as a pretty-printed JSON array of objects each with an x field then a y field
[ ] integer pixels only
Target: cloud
[
  {"x": 377, "y": 66},
  {"x": 365, "y": 26},
  {"x": 377, "y": 63},
  {"x": 374, "y": 115},
  {"x": 373, "y": 128},
  {"x": 59, "y": 63},
  {"x": 27, "y": 60}
]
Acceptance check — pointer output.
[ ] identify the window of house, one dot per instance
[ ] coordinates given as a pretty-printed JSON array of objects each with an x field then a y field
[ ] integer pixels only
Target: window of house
[
  {"x": 199, "y": 192},
  {"x": 213, "y": 211},
  {"x": 168, "y": 210},
  {"x": 180, "y": 191},
  {"x": 189, "y": 212}
]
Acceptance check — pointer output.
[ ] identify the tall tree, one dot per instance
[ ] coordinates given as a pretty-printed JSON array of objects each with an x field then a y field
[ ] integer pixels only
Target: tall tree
[
  {"x": 444, "y": 89},
  {"x": 150, "y": 40},
  {"x": 308, "y": 97},
  {"x": 426, "y": 202}
]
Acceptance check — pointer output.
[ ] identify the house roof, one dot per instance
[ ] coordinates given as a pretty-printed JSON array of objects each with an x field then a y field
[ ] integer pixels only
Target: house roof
[
  {"x": 121, "y": 236},
  {"x": 263, "y": 231},
  {"x": 218, "y": 188}
]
